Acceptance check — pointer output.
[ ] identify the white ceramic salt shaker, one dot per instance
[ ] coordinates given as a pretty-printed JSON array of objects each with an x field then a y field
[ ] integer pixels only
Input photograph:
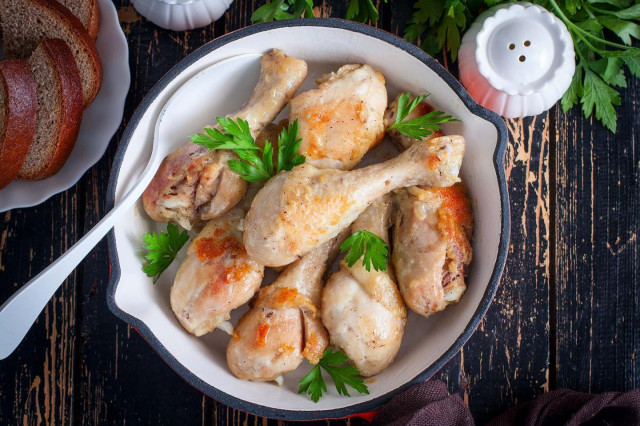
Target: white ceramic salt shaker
[
  {"x": 517, "y": 59},
  {"x": 181, "y": 15}
]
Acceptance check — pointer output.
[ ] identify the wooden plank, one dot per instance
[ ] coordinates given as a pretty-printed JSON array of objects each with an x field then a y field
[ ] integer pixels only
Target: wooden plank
[
  {"x": 37, "y": 379},
  {"x": 597, "y": 216}
]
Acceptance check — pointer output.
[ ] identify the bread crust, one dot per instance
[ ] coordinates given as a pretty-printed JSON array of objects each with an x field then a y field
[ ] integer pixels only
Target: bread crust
[
  {"x": 20, "y": 106},
  {"x": 78, "y": 35},
  {"x": 69, "y": 110},
  {"x": 83, "y": 35},
  {"x": 93, "y": 25}
]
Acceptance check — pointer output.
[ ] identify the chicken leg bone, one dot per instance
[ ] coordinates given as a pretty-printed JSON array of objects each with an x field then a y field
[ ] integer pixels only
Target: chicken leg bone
[
  {"x": 299, "y": 210},
  {"x": 195, "y": 184},
  {"x": 363, "y": 310}
]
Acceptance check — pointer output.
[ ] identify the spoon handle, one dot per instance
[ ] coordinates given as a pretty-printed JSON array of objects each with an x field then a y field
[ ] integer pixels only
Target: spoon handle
[
  {"x": 18, "y": 314},
  {"x": 21, "y": 310}
]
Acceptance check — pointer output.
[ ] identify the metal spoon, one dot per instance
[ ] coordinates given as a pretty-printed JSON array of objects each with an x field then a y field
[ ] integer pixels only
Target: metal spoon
[{"x": 20, "y": 311}]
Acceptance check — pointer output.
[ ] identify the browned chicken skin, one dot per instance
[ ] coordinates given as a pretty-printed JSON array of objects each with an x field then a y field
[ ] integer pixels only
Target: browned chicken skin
[
  {"x": 217, "y": 275},
  {"x": 431, "y": 246},
  {"x": 343, "y": 118},
  {"x": 283, "y": 325},
  {"x": 195, "y": 184},
  {"x": 363, "y": 310},
  {"x": 432, "y": 230}
]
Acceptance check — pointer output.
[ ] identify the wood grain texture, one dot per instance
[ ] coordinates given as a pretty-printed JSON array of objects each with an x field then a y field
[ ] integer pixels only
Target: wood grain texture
[
  {"x": 597, "y": 262},
  {"x": 37, "y": 381},
  {"x": 565, "y": 315},
  {"x": 506, "y": 360}
]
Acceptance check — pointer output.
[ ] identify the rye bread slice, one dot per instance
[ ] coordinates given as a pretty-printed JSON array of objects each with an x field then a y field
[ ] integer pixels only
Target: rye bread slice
[
  {"x": 59, "y": 95},
  {"x": 88, "y": 12},
  {"x": 26, "y": 22},
  {"x": 17, "y": 116}
]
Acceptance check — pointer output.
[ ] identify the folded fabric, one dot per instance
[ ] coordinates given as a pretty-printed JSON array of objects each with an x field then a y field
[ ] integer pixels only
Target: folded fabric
[
  {"x": 571, "y": 408},
  {"x": 426, "y": 404},
  {"x": 429, "y": 403}
]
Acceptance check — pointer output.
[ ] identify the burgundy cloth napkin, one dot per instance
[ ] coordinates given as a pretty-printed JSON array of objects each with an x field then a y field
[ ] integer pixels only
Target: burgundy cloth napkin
[
  {"x": 429, "y": 403},
  {"x": 425, "y": 404}
]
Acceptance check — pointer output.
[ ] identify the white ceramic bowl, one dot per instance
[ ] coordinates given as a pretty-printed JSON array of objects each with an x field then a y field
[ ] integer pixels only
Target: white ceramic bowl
[{"x": 325, "y": 44}]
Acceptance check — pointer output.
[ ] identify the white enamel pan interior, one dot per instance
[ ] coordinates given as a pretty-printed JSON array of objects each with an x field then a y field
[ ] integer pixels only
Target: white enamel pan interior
[{"x": 325, "y": 44}]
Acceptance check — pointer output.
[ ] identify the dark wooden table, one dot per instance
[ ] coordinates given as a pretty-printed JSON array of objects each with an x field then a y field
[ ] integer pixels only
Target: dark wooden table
[{"x": 565, "y": 315}]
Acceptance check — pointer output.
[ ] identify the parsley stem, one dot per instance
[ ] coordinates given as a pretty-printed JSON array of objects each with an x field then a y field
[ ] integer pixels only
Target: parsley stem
[
  {"x": 583, "y": 34},
  {"x": 602, "y": 11},
  {"x": 589, "y": 11}
]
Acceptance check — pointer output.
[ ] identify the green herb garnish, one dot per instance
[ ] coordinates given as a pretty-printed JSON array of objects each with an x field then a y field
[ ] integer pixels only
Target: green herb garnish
[
  {"x": 438, "y": 24},
  {"x": 375, "y": 250},
  {"x": 332, "y": 362},
  {"x": 255, "y": 163},
  {"x": 163, "y": 249},
  {"x": 419, "y": 127},
  {"x": 362, "y": 11},
  {"x": 279, "y": 10}
]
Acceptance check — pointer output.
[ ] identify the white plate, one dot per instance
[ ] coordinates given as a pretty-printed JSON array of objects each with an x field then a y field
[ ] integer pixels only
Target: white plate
[
  {"x": 99, "y": 122},
  {"x": 325, "y": 44}
]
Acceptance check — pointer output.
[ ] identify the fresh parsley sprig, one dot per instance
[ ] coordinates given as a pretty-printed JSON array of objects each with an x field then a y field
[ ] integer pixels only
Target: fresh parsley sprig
[
  {"x": 342, "y": 375},
  {"x": 438, "y": 24},
  {"x": 375, "y": 250},
  {"x": 600, "y": 62},
  {"x": 362, "y": 11},
  {"x": 163, "y": 248},
  {"x": 288, "y": 145},
  {"x": 255, "y": 163},
  {"x": 279, "y": 10},
  {"x": 419, "y": 127}
]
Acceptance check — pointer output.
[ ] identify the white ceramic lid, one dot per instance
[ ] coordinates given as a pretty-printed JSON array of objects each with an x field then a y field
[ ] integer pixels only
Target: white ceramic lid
[{"x": 517, "y": 59}]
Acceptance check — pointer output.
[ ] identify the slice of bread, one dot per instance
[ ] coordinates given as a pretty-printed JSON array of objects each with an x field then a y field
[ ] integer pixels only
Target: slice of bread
[
  {"x": 59, "y": 109},
  {"x": 88, "y": 12},
  {"x": 17, "y": 116},
  {"x": 26, "y": 22}
]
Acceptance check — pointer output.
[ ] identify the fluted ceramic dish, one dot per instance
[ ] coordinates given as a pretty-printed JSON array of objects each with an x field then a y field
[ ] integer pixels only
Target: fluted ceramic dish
[{"x": 325, "y": 44}]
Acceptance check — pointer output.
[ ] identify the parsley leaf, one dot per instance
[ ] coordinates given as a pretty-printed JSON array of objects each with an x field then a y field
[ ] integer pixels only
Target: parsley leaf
[
  {"x": 362, "y": 11},
  {"x": 342, "y": 375},
  {"x": 419, "y": 127},
  {"x": 599, "y": 95},
  {"x": 438, "y": 24},
  {"x": 288, "y": 145},
  {"x": 279, "y": 10},
  {"x": 163, "y": 248},
  {"x": 251, "y": 166},
  {"x": 375, "y": 250}
]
